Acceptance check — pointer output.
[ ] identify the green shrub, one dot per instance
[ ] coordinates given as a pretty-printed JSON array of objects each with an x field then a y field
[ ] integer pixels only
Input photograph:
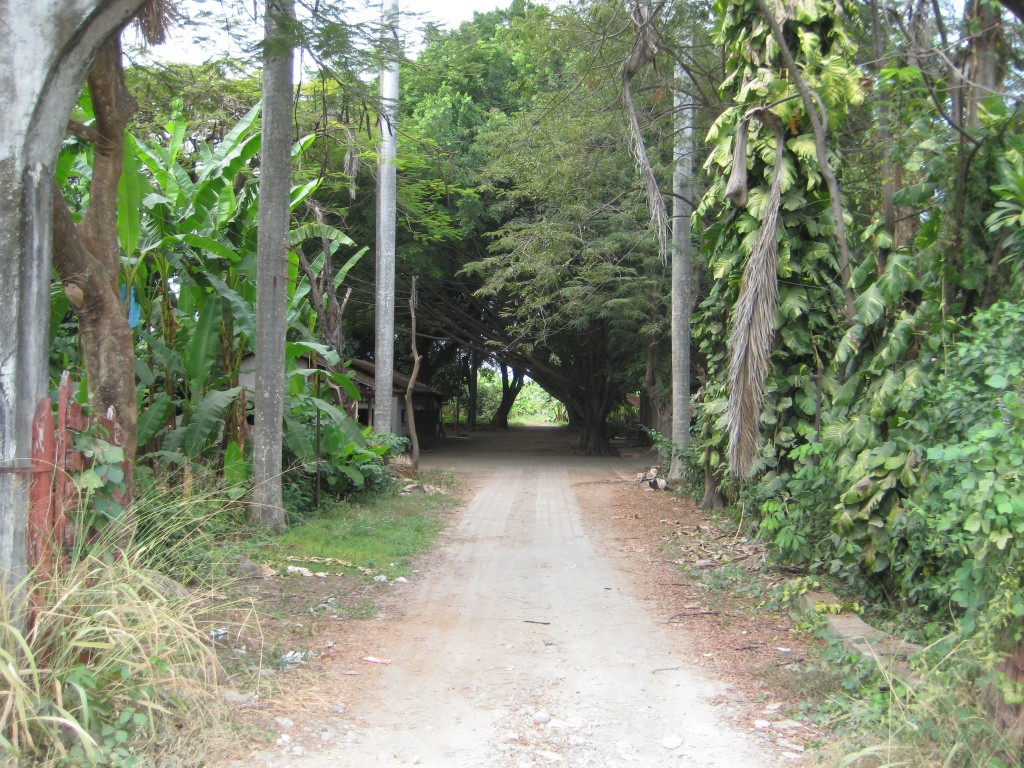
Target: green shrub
[{"x": 965, "y": 520}]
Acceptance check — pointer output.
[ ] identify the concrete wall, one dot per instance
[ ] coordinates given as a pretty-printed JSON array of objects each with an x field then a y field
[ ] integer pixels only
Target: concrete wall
[{"x": 48, "y": 46}]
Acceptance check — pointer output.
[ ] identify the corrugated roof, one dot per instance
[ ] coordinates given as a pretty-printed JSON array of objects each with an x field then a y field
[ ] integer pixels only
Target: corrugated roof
[{"x": 363, "y": 372}]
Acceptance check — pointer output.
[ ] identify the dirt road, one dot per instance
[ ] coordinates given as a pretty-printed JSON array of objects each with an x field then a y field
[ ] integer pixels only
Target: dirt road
[{"x": 520, "y": 644}]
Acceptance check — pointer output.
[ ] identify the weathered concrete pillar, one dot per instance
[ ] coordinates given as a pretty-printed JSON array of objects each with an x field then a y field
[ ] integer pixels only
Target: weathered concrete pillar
[{"x": 47, "y": 48}]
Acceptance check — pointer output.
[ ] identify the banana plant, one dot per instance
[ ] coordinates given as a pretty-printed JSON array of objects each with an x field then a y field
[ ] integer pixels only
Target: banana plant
[{"x": 187, "y": 230}]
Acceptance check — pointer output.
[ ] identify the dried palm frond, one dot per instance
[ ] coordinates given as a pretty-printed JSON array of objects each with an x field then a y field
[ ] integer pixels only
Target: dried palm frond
[
  {"x": 155, "y": 19},
  {"x": 753, "y": 319},
  {"x": 644, "y": 50},
  {"x": 736, "y": 186}
]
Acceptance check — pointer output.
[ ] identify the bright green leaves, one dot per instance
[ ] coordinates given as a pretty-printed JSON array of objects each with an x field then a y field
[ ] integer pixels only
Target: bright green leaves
[
  {"x": 966, "y": 521},
  {"x": 130, "y": 190}
]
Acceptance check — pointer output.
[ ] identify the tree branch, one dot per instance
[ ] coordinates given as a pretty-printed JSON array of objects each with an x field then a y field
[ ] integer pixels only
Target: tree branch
[{"x": 83, "y": 131}]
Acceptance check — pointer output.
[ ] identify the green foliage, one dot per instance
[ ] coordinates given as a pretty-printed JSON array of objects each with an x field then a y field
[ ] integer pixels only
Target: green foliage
[
  {"x": 351, "y": 458},
  {"x": 965, "y": 527},
  {"x": 808, "y": 323},
  {"x": 1008, "y": 215},
  {"x": 690, "y": 464},
  {"x": 793, "y": 522},
  {"x": 100, "y": 485}
]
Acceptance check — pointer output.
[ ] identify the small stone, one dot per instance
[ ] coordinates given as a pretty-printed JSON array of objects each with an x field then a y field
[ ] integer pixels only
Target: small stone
[
  {"x": 762, "y": 724},
  {"x": 381, "y": 578},
  {"x": 284, "y": 722},
  {"x": 541, "y": 717},
  {"x": 672, "y": 742},
  {"x": 415, "y": 760},
  {"x": 246, "y": 569},
  {"x": 551, "y": 757},
  {"x": 232, "y": 696},
  {"x": 787, "y": 744},
  {"x": 337, "y": 709},
  {"x": 401, "y": 580},
  {"x": 298, "y": 751}
]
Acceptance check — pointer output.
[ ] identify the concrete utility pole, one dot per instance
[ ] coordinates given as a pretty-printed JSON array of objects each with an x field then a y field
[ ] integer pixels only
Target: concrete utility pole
[
  {"x": 48, "y": 48},
  {"x": 387, "y": 183},
  {"x": 682, "y": 268},
  {"x": 267, "y": 507}
]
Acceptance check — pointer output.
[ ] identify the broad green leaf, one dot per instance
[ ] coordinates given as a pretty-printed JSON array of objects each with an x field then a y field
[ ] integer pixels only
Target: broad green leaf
[
  {"x": 206, "y": 244},
  {"x": 241, "y": 310},
  {"x": 299, "y": 440},
  {"x": 914, "y": 195},
  {"x": 131, "y": 188},
  {"x": 236, "y": 465},
  {"x": 295, "y": 349},
  {"x": 870, "y": 305},
  {"x": 973, "y": 523},
  {"x": 301, "y": 192},
  {"x": 205, "y": 344},
  {"x": 170, "y": 358},
  {"x": 230, "y": 143},
  {"x": 313, "y": 230},
  {"x": 342, "y": 273},
  {"x": 153, "y": 418},
  {"x": 300, "y": 146},
  {"x": 207, "y": 419}
]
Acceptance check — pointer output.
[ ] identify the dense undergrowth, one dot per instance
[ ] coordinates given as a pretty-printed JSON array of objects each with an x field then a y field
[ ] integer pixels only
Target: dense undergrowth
[{"x": 925, "y": 528}]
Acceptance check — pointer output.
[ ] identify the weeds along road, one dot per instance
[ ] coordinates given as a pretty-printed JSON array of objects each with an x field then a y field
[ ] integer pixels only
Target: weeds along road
[{"x": 520, "y": 645}]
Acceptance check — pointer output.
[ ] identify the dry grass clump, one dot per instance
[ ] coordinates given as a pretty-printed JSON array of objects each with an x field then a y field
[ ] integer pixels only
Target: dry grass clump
[{"x": 100, "y": 666}]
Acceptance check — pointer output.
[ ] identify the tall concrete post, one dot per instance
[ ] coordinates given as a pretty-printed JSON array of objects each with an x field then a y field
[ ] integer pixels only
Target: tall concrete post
[{"x": 387, "y": 183}]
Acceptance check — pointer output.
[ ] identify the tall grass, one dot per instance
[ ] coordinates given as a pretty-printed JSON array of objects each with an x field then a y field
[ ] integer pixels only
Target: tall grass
[
  {"x": 945, "y": 716},
  {"x": 102, "y": 663}
]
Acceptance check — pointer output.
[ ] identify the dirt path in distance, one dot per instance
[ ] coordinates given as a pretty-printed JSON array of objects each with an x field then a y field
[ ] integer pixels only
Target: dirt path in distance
[{"x": 529, "y": 638}]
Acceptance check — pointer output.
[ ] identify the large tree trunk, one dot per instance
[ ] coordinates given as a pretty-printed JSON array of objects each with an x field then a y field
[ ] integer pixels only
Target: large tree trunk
[
  {"x": 472, "y": 382},
  {"x": 50, "y": 46},
  {"x": 87, "y": 255},
  {"x": 387, "y": 180},
  {"x": 510, "y": 389},
  {"x": 642, "y": 54},
  {"x": 589, "y": 416},
  {"x": 713, "y": 498},
  {"x": 267, "y": 508}
]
